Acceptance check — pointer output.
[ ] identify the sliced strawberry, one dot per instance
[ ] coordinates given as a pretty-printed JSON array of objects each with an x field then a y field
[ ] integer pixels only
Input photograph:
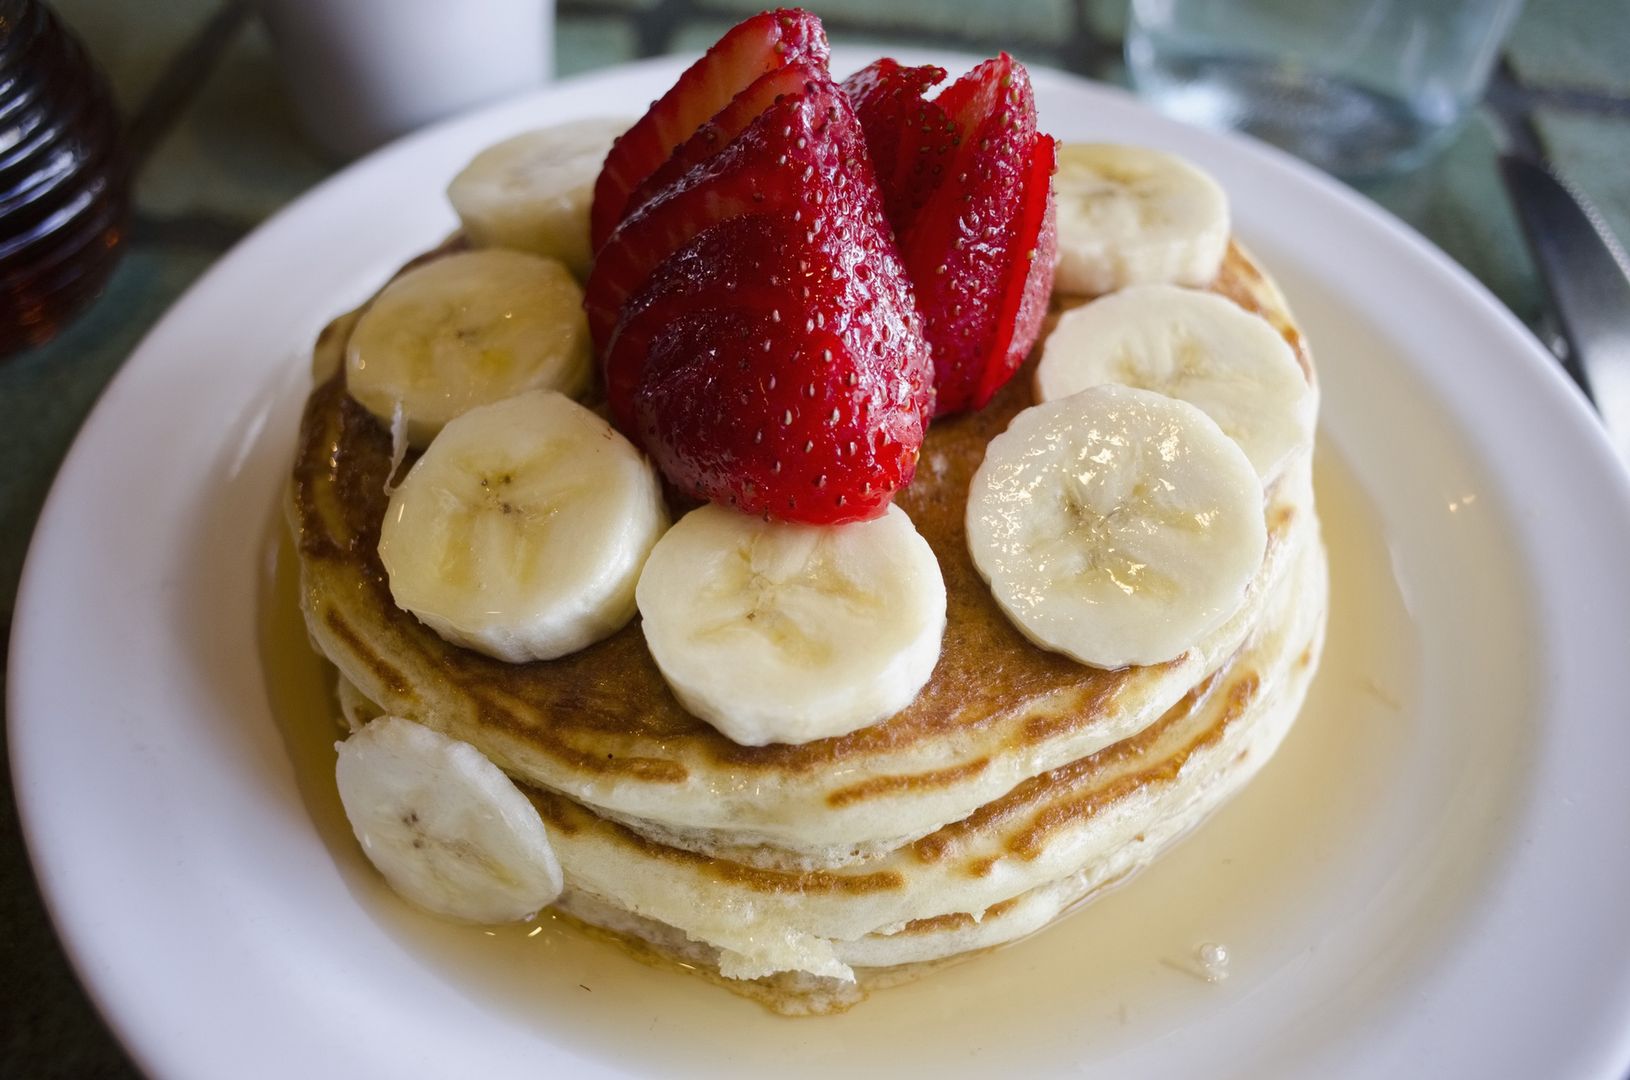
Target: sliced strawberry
[
  {"x": 758, "y": 45},
  {"x": 1029, "y": 282},
  {"x": 722, "y": 188},
  {"x": 974, "y": 249},
  {"x": 774, "y": 360},
  {"x": 778, "y": 161},
  {"x": 909, "y": 139},
  {"x": 719, "y": 132},
  {"x": 804, "y": 402},
  {"x": 715, "y": 269}
]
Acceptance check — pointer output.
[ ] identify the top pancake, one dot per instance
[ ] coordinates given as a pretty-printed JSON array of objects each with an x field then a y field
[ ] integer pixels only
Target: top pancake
[{"x": 601, "y": 725}]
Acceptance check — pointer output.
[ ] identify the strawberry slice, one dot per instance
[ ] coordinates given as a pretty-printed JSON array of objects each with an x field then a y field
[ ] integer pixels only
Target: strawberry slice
[
  {"x": 714, "y": 268},
  {"x": 758, "y": 45},
  {"x": 970, "y": 249},
  {"x": 803, "y": 408},
  {"x": 770, "y": 165},
  {"x": 909, "y": 139},
  {"x": 773, "y": 359},
  {"x": 978, "y": 242},
  {"x": 1030, "y": 276},
  {"x": 731, "y": 121},
  {"x": 722, "y": 188}
]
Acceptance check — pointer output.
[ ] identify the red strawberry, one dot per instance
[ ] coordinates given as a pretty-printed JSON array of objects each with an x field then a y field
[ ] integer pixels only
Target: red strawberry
[
  {"x": 812, "y": 410},
  {"x": 752, "y": 48},
  {"x": 965, "y": 251},
  {"x": 1030, "y": 276},
  {"x": 774, "y": 360},
  {"x": 979, "y": 247},
  {"x": 714, "y": 268},
  {"x": 909, "y": 139},
  {"x": 769, "y": 165},
  {"x": 730, "y": 121},
  {"x": 725, "y": 186}
]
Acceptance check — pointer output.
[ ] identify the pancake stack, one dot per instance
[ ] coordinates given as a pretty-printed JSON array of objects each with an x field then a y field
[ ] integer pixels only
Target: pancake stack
[{"x": 1018, "y": 784}]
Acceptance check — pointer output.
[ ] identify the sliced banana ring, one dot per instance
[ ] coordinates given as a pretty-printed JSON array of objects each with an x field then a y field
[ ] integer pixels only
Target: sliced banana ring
[
  {"x": 786, "y": 633},
  {"x": 1196, "y": 346},
  {"x": 448, "y": 830},
  {"x": 532, "y": 192},
  {"x": 1116, "y": 526},
  {"x": 466, "y": 330},
  {"x": 1128, "y": 215},
  {"x": 521, "y": 531}
]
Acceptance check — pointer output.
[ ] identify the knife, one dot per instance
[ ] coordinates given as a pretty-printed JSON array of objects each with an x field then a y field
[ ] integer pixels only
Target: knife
[{"x": 1587, "y": 278}]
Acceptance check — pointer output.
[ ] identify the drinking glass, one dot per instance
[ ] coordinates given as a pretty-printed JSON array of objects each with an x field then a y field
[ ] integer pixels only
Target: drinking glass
[
  {"x": 364, "y": 71},
  {"x": 1361, "y": 88}
]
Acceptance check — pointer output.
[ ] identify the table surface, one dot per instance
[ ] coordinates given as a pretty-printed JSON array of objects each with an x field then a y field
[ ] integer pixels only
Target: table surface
[{"x": 221, "y": 151}]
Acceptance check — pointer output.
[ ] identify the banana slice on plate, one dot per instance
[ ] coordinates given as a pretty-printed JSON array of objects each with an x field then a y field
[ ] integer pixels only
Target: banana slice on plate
[
  {"x": 532, "y": 192},
  {"x": 1128, "y": 215},
  {"x": 521, "y": 531},
  {"x": 1192, "y": 345},
  {"x": 468, "y": 330},
  {"x": 448, "y": 830},
  {"x": 785, "y": 633},
  {"x": 1116, "y": 526}
]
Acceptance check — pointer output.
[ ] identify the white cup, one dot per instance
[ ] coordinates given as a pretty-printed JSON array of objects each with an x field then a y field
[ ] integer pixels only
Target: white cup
[{"x": 362, "y": 72}]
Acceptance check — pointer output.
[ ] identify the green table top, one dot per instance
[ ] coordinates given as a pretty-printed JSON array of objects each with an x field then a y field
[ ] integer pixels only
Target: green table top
[{"x": 198, "y": 78}]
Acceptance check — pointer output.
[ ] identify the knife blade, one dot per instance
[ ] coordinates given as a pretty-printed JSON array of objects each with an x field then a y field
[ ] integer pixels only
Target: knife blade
[{"x": 1587, "y": 277}]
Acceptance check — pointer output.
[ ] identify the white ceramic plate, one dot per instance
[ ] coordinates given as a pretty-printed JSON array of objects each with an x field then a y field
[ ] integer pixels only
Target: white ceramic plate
[{"x": 1471, "y": 919}]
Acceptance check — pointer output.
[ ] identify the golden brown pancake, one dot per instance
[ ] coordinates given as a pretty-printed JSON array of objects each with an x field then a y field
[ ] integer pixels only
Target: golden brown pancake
[{"x": 1017, "y": 785}]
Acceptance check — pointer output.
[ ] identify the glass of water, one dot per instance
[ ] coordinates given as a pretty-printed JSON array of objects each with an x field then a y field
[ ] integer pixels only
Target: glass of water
[{"x": 1361, "y": 88}]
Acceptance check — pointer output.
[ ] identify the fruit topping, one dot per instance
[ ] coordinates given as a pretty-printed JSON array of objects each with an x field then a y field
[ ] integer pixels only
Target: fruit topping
[
  {"x": 790, "y": 276},
  {"x": 1116, "y": 526},
  {"x": 1129, "y": 215},
  {"x": 772, "y": 360},
  {"x": 786, "y": 633},
  {"x": 1195, "y": 346},
  {"x": 909, "y": 139},
  {"x": 448, "y": 830},
  {"x": 468, "y": 330},
  {"x": 804, "y": 405},
  {"x": 761, "y": 44},
  {"x": 531, "y": 192},
  {"x": 978, "y": 243},
  {"x": 521, "y": 531},
  {"x": 720, "y": 131},
  {"x": 778, "y": 160}
]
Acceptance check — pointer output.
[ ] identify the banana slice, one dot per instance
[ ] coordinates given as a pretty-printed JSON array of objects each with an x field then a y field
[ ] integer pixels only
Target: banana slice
[
  {"x": 1192, "y": 345},
  {"x": 328, "y": 355},
  {"x": 467, "y": 330},
  {"x": 1116, "y": 526},
  {"x": 450, "y": 832},
  {"x": 785, "y": 633},
  {"x": 521, "y": 532},
  {"x": 532, "y": 192},
  {"x": 1128, "y": 215}
]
